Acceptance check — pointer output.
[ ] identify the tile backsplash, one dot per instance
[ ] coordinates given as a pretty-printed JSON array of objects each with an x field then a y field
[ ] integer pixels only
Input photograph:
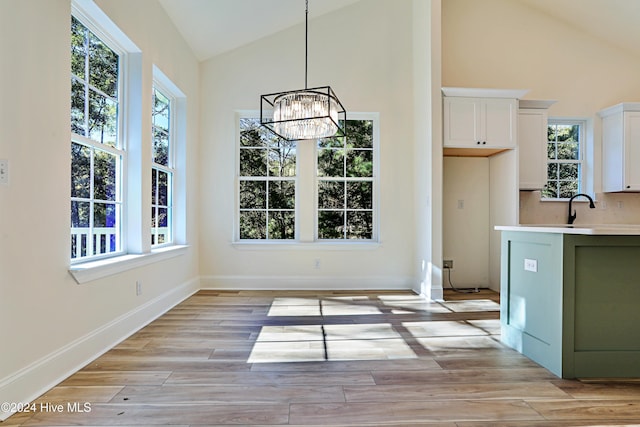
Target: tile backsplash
[{"x": 611, "y": 208}]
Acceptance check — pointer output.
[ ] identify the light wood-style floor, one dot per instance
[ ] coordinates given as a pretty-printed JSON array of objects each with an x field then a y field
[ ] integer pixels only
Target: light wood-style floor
[{"x": 336, "y": 358}]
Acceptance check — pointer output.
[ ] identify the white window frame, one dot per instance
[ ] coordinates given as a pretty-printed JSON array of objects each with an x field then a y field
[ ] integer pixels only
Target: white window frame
[
  {"x": 120, "y": 151},
  {"x": 374, "y": 118},
  {"x": 135, "y": 244},
  {"x": 267, "y": 179},
  {"x": 306, "y": 207},
  {"x": 585, "y": 179},
  {"x": 178, "y": 159},
  {"x": 168, "y": 169}
]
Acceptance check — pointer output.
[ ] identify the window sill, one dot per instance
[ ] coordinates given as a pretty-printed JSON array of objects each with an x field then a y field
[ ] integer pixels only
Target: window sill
[
  {"x": 94, "y": 270},
  {"x": 314, "y": 246}
]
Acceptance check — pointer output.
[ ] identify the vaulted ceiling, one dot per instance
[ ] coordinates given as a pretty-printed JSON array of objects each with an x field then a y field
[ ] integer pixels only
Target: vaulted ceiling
[
  {"x": 212, "y": 27},
  {"x": 616, "y": 22}
]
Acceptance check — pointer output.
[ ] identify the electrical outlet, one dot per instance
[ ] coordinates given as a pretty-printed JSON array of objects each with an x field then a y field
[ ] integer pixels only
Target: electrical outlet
[
  {"x": 531, "y": 265},
  {"x": 138, "y": 287},
  {"x": 316, "y": 263},
  {"x": 447, "y": 263},
  {"x": 4, "y": 171}
]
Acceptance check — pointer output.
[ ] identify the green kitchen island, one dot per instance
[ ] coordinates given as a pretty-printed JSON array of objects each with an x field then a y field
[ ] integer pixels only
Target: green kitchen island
[{"x": 570, "y": 298}]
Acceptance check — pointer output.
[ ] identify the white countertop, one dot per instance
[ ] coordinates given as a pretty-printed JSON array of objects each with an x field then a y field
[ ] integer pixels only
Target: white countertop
[{"x": 593, "y": 229}]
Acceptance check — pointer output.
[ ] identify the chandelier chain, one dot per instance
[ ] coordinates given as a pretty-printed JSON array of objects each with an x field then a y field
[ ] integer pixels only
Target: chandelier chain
[
  {"x": 306, "y": 42},
  {"x": 307, "y": 114}
]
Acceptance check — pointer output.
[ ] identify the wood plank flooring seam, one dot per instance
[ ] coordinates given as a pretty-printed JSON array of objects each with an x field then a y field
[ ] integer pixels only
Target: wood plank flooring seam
[{"x": 189, "y": 368}]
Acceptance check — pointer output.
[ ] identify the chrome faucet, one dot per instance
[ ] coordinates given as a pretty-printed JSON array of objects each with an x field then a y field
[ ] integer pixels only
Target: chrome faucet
[{"x": 572, "y": 217}]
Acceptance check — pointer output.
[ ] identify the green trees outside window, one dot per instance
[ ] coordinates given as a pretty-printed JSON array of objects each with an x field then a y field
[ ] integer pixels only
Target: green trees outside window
[
  {"x": 342, "y": 190},
  {"x": 96, "y": 154},
  {"x": 267, "y": 183},
  {"x": 345, "y": 183},
  {"x": 161, "y": 171},
  {"x": 564, "y": 160}
]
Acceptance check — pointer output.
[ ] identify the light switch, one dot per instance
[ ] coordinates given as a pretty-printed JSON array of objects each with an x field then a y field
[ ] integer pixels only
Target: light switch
[
  {"x": 4, "y": 171},
  {"x": 531, "y": 265}
]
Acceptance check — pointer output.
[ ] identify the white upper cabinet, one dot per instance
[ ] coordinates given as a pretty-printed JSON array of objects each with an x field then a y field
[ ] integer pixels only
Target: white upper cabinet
[
  {"x": 532, "y": 143},
  {"x": 488, "y": 120},
  {"x": 498, "y": 121},
  {"x": 621, "y": 147}
]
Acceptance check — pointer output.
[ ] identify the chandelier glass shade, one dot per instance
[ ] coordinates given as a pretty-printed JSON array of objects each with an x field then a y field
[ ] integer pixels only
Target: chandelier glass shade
[
  {"x": 309, "y": 113},
  {"x": 303, "y": 114}
]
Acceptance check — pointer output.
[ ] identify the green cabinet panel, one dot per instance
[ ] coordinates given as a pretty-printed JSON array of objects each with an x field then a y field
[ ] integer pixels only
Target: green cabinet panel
[
  {"x": 572, "y": 302},
  {"x": 531, "y": 308},
  {"x": 612, "y": 290}
]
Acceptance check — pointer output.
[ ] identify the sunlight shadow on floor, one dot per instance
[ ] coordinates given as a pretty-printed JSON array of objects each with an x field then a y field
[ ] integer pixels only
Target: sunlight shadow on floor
[
  {"x": 472, "y": 305},
  {"x": 329, "y": 342},
  {"x": 356, "y": 327}
]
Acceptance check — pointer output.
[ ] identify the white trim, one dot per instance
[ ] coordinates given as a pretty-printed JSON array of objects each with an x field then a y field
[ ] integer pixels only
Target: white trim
[
  {"x": 94, "y": 270},
  {"x": 325, "y": 283},
  {"x": 33, "y": 380},
  {"x": 307, "y": 237},
  {"x": 535, "y": 104},
  {"x": 99, "y": 23},
  {"x": 374, "y": 117},
  {"x": 129, "y": 87},
  {"x": 288, "y": 245},
  {"x": 437, "y": 293},
  {"x": 484, "y": 92},
  {"x": 168, "y": 169},
  {"x": 586, "y": 160},
  {"x": 166, "y": 84},
  {"x": 619, "y": 108},
  {"x": 178, "y": 135}
]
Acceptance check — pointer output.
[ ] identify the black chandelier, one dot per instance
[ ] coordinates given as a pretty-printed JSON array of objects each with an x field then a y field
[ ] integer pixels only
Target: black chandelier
[{"x": 309, "y": 113}]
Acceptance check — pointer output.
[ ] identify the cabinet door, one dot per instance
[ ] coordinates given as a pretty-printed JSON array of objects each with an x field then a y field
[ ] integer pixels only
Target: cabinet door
[
  {"x": 613, "y": 160},
  {"x": 499, "y": 122},
  {"x": 632, "y": 151},
  {"x": 532, "y": 148},
  {"x": 461, "y": 122}
]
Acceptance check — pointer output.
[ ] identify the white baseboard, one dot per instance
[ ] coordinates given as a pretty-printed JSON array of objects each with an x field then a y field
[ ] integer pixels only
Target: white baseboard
[
  {"x": 32, "y": 381},
  {"x": 437, "y": 293},
  {"x": 306, "y": 283}
]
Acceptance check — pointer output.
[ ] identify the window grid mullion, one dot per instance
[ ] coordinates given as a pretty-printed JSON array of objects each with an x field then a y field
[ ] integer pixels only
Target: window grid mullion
[
  {"x": 88, "y": 244},
  {"x": 92, "y": 201},
  {"x": 556, "y": 126},
  {"x": 166, "y": 112},
  {"x": 314, "y": 179},
  {"x": 344, "y": 188},
  {"x": 86, "y": 82},
  {"x": 89, "y": 88},
  {"x": 154, "y": 205}
]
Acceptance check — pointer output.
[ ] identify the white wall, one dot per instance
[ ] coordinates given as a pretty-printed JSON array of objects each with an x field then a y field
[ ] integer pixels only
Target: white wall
[
  {"x": 507, "y": 44},
  {"x": 503, "y": 207},
  {"x": 479, "y": 193},
  {"x": 465, "y": 220},
  {"x": 50, "y": 325},
  {"x": 367, "y": 52},
  {"x": 427, "y": 113},
  {"x": 364, "y": 52}
]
